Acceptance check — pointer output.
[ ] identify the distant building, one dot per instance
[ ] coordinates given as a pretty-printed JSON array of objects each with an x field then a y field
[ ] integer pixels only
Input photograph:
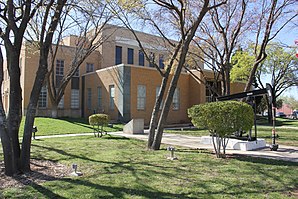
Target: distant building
[
  {"x": 286, "y": 109},
  {"x": 116, "y": 79}
]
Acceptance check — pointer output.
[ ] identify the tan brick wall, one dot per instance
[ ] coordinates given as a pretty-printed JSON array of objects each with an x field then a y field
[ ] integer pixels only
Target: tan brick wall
[
  {"x": 103, "y": 78},
  {"x": 152, "y": 79},
  {"x": 30, "y": 59}
]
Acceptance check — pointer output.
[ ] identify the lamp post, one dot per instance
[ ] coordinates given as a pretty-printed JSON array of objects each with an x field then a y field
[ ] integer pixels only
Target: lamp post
[{"x": 271, "y": 96}]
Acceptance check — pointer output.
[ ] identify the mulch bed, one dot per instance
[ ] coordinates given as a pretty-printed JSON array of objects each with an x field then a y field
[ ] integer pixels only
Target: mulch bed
[{"x": 42, "y": 171}]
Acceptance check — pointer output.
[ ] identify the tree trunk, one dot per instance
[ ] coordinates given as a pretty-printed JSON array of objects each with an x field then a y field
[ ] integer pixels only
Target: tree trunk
[
  {"x": 168, "y": 101},
  {"x": 228, "y": 80},
  {"x": 54, "y": 111},
  {"x": 154, "y": 116},
  {"x": 14, "y": 113},
  {"x": 4, "y": 136},
  {"x": 39, "y": 79}
]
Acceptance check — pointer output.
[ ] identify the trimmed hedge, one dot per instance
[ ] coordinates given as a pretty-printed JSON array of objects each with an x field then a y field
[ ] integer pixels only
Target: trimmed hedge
[
  {"x": 98, "y": 121},
  {"x": 224, "y": 117}
]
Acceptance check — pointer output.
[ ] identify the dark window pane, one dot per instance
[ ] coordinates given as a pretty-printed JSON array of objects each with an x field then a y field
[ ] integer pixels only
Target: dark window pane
[
  {"x": 141, "y": 59},
  {"x": 129, "y": 56},
  {"x": 75, "y": 83},
  {"x": 118, "y": 57}
]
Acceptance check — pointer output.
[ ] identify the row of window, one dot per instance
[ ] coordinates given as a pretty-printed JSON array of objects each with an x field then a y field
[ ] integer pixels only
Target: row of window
[
  {"x": 60, "y": 68},
  {"x": 74, "y": 99},
  {"x": 99, "y": 97},
  {"x": 130, "y": 57},
  {"x": 141, "y": 98}
]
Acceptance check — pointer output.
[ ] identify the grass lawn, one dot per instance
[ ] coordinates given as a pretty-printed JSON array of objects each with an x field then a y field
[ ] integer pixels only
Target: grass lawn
[
  {"x": 286, "y": 129},
  {"x": 50, "y": 126},
  {"x": 116, "y": 167}
]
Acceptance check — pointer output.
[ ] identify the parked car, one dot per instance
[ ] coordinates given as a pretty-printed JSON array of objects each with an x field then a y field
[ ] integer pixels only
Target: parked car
[
  {"x": 280, "y": 114},
  {"x": 294, "y": 115}
]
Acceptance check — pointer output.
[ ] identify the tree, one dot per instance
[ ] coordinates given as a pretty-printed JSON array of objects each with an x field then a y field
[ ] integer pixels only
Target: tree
[
  {"x": 15, "y": 18},
  {"x": 222, "y": 119},
  {"x": 90, "y": 19},
  {"x": 218, "y": 36},
  {"x": 270, "y": 18},
  {"x": 183, "y": 18}
]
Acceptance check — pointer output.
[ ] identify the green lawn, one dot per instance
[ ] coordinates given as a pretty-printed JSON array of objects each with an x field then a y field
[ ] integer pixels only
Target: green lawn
[
  {"x": 50, "y": 126},
  {"x": 116, "y": 167}
]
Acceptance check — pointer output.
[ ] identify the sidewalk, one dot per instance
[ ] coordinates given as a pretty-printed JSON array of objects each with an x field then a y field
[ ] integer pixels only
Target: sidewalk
[{"x": 286, "y": 153}]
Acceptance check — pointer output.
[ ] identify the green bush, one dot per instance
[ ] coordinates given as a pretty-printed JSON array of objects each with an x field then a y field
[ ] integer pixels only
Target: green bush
[
  {"x": 98, "y": 121},
  {"x": 222, "y": 119}
]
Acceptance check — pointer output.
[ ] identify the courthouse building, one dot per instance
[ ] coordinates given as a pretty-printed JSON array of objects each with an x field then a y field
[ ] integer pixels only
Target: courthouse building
[{"x": 116, "y": 79}]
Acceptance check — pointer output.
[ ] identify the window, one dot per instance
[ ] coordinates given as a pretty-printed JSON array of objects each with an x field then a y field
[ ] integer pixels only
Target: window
[
  {"x": 75, "y": 98},
  {"x": 59, "y": 71},
  {"x": 42, "y": 101},
  {"x": 176, "y": 99},
  {"x": 129, "y": 56},
  {"x": 118, "y": 56},
  {"x": 141, "y": 100},
  {"x": 161, "y": 62},
  {"x": 89, "y": 67},
  {"x": 141, "y": 58},
  {"x": 59, "y": 67},
  {"x": 112, "y": 96},
  {"x": 89, "y": 97},
  {"x": 151, "y": 57},
  {"x": 157, "y": 93},
  {"x": 99, "y": 97}
]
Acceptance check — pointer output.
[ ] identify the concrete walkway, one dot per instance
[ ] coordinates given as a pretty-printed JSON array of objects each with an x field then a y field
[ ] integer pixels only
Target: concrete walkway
[{"x": 286, "y": 153}]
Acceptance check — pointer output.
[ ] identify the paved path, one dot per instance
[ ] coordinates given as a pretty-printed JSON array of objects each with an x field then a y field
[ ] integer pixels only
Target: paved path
[{"x": 286, "y": 153}]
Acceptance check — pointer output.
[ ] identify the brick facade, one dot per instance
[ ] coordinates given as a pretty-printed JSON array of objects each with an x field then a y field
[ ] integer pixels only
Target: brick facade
[{"x": 123, "y": 80}]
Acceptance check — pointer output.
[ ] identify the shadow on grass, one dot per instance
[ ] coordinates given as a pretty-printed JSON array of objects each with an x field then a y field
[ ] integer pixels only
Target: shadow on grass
[
  {"x": 122, "y": 192},
  {"x": 266, "y": 161},
  {"x": 85, "y": 123},
  {"x": 115, "y": 138},
  {"x": 41, "y": 189}
]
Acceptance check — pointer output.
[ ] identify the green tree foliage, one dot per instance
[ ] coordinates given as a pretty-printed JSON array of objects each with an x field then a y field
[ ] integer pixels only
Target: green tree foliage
[
  {"x": 280, "y": 66},
  {"x": 222, "y": 119},
  {"x": 242, "y": 63},
  {"x": 98, "y": 121}
]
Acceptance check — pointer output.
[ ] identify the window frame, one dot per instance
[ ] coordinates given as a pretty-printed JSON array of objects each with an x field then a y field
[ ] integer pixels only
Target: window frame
[
  {"x": 89, "y": 98},
  {"x": 141, "y": 97},
  {"x": 176, "y": 100},
  {"x": 141, "y": 58},
  {"x": 43, "y": 98},
  {"x": 112, "y": 97},
  {"x": 130, "y": 56},
  {"x": 89, "y": 67},
  {"x": 118, "y": 55},
  {"x": 60, "y": 67},
  {"x": 75, "y": 102}
]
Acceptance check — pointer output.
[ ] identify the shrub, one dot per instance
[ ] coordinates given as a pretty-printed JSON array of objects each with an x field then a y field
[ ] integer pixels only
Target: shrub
[
  {"x": 222, "y": 119},
  {"x": 98, "y": 121}
]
